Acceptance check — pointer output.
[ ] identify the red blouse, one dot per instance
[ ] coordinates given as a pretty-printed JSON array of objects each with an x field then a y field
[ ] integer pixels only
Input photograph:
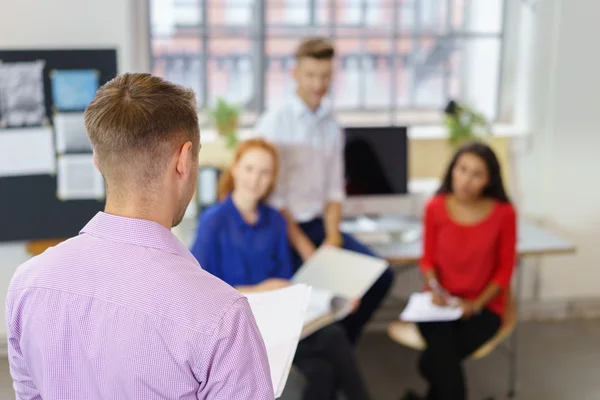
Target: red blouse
[{"x": 467, "y": 258}]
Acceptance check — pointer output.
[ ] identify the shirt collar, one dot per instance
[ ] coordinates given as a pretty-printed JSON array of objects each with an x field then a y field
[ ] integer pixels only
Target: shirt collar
[
  {"x": 301, "y": 109},
  {"x": 238, "y": 216},
  {"x": 138, "y": 232}
]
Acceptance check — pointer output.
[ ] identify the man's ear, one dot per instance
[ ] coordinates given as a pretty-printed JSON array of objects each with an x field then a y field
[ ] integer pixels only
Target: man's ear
[
  {"x": 184, "y": 159},
  {"x": 95, "y": 158}
]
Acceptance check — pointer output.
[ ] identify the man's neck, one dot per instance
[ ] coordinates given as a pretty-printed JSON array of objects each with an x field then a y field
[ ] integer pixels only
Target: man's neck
[
  {"x": 313, "y": 109},
  {"x": 140, "y": 210}
]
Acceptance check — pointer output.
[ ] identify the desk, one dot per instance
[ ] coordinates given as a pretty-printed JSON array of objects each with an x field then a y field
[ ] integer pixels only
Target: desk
[{"x": 532, "y": 241}]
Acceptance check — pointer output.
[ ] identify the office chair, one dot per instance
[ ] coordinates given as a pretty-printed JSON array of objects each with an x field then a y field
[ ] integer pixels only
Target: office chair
[{"x": 407, "y": 334}]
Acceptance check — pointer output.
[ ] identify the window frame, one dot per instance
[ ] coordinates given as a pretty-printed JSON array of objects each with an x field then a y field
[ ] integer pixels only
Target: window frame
[{"x": 391, "y": 114}]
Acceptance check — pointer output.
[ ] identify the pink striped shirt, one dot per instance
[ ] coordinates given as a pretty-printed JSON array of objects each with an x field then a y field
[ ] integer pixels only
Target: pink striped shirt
[{"x": 124, "y": 311}]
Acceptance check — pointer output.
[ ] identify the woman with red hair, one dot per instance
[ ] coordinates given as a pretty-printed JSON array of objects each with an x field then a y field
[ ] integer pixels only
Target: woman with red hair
[{"x": 244, "y": 242}]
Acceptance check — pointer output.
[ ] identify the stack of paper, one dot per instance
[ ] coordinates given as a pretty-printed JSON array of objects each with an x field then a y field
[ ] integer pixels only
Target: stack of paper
[
  {"x": 324, "y": 308},
  {"x": 338, "y": 277},
  {"x": 320, "y": 304},
  {"x": 420, "y": 308},
  {"x": 280, "y": 315}
]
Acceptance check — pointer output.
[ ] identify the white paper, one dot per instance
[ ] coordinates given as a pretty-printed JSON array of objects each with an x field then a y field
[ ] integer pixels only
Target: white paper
[
  {"x": 279, "y": 315},
  {"x": 70, "y": 133},
  {"x": 207, "y": 186},
  {"x": 78, "y": 178},
  {"x": 324, "y": 308},
  {"x": 22, "y": 99},
  {"x": 27, "y": 151},
  {"x": 319, "y": 304},
  {"x": 420, "y": 308},
  {"x": 342, "y": 272}
]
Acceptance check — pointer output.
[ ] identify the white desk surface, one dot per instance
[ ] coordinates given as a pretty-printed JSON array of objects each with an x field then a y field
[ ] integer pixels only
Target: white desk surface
[{"x": 532, "y": 240}]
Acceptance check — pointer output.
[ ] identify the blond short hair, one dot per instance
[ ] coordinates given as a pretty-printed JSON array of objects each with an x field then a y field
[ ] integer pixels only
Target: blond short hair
[
  {"x": 315, "y": 47},
  {"x": 135, "y": 122}
]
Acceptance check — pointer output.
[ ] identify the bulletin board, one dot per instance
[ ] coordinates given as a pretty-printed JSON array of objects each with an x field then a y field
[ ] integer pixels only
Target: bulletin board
[{"x": 49, "y": 188}]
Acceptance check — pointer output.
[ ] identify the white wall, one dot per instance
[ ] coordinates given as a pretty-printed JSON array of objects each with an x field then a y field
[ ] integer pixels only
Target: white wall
[
  {"x": 54, "y": 24},
  {"x": 556, "y": 179},
  {"x": 68, "y": 24}
]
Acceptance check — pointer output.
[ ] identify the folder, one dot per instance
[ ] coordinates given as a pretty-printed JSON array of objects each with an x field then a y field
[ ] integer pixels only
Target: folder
[
  {"x": 280, "y": 316},
  {"x": 338, "y": 278}
]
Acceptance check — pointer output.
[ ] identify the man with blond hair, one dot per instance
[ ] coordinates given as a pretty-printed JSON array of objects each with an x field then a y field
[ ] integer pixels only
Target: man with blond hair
[
  {"x": 123, "y": 310},
  {"x": 310, "y": 190}
]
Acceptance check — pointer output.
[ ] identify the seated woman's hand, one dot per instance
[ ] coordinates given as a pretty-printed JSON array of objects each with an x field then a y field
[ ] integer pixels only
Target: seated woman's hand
[
  {"x": 355, "y": 305},
  {"x": 438, "y": 299},
  {"x": 468, "y": 308},
  {"x": 274, "y": 283}
]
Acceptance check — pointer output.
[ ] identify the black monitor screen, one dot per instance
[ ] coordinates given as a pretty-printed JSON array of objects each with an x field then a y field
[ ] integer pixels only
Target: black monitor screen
[{"x": 376, "y": 161}]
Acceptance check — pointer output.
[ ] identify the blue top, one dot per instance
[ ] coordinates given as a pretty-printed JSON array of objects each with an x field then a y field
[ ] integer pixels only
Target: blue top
[{"x": 239, "y": 253}]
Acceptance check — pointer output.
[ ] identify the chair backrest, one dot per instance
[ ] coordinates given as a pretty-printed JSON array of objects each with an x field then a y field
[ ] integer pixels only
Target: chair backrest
[{"x": 509, "y": 319}]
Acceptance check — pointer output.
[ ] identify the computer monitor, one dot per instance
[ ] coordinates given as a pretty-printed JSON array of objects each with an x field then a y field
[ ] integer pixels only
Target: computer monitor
[{"x": 376, "y": 170}]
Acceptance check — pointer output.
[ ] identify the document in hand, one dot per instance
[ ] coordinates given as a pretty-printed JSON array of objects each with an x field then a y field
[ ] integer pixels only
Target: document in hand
[
  {"x": 324, "y": 308},
  {"x": 338, "y": 277},
  {"x": 342, "y": 272},
  {"x": 420, "y": 308},
  {"x": 280, "y": 315}
]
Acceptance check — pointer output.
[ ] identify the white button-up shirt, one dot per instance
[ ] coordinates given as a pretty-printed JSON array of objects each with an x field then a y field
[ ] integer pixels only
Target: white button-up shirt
[{"x": 311, "y": 157}]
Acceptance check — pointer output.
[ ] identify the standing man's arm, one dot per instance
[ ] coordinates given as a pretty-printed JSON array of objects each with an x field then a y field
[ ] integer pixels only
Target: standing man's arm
[
  {"x": 234, "y": 364},
  {"x": 336, "y": 193},
  {"x": 300, "y": 242}
]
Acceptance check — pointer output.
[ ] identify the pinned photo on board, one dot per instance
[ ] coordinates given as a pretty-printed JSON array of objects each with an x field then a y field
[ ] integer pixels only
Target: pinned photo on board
[
  {"x": 27, "y": 152},
  {"x": 73, "y": 89},
  {"x": 78, "y": 178},
  {"x": 22, "y": 99},
  {"x": 70, "y": 134}
]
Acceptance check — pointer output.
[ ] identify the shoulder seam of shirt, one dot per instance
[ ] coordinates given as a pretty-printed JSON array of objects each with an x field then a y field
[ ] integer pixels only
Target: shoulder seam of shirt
[
  {"x": 209, "y": 332},
  {"x": 227, "y": 309}
]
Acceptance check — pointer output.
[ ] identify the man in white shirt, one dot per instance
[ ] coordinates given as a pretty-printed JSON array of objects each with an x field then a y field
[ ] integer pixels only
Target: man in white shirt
[{"x": 310, "y": 188}]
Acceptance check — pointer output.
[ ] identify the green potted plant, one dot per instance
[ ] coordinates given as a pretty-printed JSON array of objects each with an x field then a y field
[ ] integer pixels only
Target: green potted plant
[
  {"x": 464, "y": 123},
  {"x": 226, "y": 118}
]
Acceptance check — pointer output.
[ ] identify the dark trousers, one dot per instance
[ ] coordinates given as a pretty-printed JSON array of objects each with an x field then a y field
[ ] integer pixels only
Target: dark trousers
[
  {"x": 448, "y": 344},
  {"x": 326, "y": 359},
  {"x": 354, "y": 323}
]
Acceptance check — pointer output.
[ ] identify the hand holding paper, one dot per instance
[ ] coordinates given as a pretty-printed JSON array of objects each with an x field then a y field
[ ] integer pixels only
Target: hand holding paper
[
  {"x": 421, "y": 308},
  {"x": 339, "y": 278}
]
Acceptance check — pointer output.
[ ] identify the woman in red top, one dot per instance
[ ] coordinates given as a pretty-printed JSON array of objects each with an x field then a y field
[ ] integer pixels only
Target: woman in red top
[{"x": 469, "y": 256}]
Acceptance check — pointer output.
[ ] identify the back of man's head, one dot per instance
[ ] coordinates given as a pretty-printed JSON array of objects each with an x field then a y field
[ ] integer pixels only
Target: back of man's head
[{"x": 135, "y": 123}]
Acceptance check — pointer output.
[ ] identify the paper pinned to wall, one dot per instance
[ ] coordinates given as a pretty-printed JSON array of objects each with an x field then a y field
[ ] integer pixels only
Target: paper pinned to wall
[
  {"x": 22, "y": 99},
  {"x": 78, "y": 178},
  {"x": 279, "y": 315},
  {"x": 27, "y": 151},
  {"x": 73, "y": 89},
  {"x": 70, "y": 133}
]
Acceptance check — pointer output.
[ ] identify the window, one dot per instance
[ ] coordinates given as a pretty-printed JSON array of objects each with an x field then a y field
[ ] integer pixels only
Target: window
[{"x": 393, "y": 56}]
